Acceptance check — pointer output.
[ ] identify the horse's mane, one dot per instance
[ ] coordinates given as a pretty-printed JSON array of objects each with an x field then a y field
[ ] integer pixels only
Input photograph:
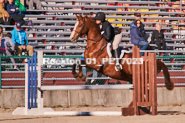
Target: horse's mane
[{"x": 92, "y": 20}]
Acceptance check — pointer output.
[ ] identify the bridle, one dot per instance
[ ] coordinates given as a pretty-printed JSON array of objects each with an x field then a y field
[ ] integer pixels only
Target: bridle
[{"x": 79, "y": 34}]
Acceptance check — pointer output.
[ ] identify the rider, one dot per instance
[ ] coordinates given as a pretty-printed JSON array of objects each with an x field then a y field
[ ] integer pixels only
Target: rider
[{"x": 110, "y": 33}]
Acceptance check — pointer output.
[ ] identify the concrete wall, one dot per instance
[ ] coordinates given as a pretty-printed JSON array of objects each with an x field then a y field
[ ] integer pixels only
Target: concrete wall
[{"x": 15, "y": 97}]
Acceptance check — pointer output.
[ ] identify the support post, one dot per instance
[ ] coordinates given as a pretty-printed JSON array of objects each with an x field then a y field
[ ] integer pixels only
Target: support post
[
  {"x": 40, "y": 93},
  {"x": 26, "y": 88},
  {"x": 35, "y": 79}
]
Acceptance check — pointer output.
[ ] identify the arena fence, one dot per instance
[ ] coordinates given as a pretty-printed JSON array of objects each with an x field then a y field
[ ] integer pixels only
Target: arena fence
[{"x": 58, "y": 74}]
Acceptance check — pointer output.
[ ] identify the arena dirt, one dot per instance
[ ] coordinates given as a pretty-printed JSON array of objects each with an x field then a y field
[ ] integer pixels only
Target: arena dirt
[{"x": 166, "y": 114}]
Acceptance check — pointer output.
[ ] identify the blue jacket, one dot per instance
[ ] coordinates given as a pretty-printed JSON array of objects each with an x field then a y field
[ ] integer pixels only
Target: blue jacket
[
  {"x": 142, "y": 29},
  {"x": 19, "y": 40},
  {"x": 12, "y": 6},
  {"x": 135, "y": 34}
]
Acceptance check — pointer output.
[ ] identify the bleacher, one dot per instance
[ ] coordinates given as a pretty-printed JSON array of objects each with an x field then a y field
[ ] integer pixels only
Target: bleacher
[{"x": 52, "y": 29}]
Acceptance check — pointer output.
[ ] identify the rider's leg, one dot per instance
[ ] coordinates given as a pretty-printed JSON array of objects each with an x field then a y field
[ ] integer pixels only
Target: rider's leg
[{"x": 117, "y": 40}]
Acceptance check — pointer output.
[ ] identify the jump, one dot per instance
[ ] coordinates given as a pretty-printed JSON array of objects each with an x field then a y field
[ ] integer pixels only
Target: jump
[{"x": 97, "y": 48}]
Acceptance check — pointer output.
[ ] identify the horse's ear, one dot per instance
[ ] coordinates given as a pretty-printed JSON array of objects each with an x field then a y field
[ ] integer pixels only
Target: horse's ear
[
  {"x": 80, "y": 15},
  {"x": 76, "y": 16}
]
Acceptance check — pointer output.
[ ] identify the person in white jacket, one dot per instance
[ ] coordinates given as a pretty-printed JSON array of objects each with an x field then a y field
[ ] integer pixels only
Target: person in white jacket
[{"x": 7, "y": 46}]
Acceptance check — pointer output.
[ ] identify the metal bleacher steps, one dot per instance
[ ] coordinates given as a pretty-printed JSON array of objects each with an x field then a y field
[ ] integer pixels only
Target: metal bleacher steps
[
  {"x": 106, "y": 12},
  {"x": 108, "y": 17}
]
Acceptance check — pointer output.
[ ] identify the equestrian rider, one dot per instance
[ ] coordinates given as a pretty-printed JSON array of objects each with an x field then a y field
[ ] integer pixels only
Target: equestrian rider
[{"x": 110, "y": 33}]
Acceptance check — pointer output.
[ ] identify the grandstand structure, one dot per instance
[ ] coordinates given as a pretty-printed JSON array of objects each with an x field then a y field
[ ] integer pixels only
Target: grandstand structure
[{"x": 51, "y": 30}]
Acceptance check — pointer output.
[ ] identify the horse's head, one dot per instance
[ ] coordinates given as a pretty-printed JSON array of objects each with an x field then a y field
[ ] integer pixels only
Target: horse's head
[{"x": 79, "y": 29}]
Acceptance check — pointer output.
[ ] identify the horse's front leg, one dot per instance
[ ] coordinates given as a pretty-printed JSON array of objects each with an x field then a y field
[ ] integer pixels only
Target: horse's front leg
[
  {"x": 83, "y": 78},
  {"x": 74, "y": 72}
]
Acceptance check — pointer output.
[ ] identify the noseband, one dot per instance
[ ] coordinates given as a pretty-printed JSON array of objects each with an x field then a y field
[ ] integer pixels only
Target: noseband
[{"x": 79, "y": 33}]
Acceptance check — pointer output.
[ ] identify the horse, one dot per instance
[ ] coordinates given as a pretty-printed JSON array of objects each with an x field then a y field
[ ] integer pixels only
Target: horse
[{"x": 96, "y": 49}]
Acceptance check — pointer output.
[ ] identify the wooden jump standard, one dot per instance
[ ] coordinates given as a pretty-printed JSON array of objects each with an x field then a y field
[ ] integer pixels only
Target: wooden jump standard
[{"x": 145, "y": 87}]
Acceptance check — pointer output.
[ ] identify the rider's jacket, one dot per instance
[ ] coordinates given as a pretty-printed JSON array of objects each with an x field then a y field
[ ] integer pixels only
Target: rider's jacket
[{"x": 109, "y": 31}]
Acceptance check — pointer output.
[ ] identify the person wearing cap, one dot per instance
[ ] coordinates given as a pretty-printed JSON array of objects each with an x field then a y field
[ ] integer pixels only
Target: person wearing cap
[
  {"x": 110, "y": 33},
  {"x": 19, "y": 38}
]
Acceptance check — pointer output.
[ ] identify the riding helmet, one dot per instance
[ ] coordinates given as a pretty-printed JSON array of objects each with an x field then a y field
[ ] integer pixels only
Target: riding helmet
[{"x": 100, "y": 16}]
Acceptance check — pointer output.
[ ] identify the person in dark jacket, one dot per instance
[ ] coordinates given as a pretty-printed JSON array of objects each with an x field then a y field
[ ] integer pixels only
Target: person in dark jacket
[
  {"x": 138, "y": 17},
  {"x": 136, "y": 36},
  {"x": 158, "y": 38},
  {"x": 13, "y": 11},
  {"x": 110, "y": 33}
]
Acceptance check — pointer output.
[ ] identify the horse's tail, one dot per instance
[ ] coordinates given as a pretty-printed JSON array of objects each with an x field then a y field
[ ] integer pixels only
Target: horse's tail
[{"x": 168, "y": 83}]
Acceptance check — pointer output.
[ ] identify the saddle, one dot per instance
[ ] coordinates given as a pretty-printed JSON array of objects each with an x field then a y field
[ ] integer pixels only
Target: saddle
[{"x": 122, "y": 51}]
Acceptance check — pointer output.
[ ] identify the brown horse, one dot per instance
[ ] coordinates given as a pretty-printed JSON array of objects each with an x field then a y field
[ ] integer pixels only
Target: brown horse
[{"x": 96, "y": 49}]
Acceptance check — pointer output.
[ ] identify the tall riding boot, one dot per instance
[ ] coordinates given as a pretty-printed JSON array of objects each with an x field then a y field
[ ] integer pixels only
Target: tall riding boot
[{"x": 117, "y": 55}]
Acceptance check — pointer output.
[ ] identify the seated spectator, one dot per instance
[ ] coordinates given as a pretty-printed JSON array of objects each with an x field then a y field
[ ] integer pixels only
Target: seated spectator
[
  {"x": 144, "y": 34},
  {"x": 19, "y": 38},
  {"x": 158, "y": 38},
  {"x": 8, "y": 47},
  {"x": 20, "y": 6},
  {"x": 13, "y": 10},
  {"x": 136, "y": 36},
  {"x": 1, "y": 33},
  {"x": 4, "y": 16},
  {"x": 30, "y": 3}
]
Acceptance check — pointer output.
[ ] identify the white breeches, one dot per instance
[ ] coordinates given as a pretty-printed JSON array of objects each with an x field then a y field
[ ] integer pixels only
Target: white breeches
[{"x": 116, "y": 41}]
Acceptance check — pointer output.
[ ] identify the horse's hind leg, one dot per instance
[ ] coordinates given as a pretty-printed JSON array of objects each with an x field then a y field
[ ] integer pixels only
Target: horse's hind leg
[{"x": 74, "y": 73}]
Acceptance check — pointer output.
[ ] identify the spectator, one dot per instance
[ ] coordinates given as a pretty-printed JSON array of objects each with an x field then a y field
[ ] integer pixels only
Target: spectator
[
  {"x": 8, "y": 47},
  {"x": 136, "y": 36},
  {"x": 31, "y": 2},
  {"x": 1, "y": 33},
  {"x": 20, "y": 40},
  {"x": 4, "y": 16},
  {"x": 158, "y": 37},
  {"x": 84, "y": 70},
  {"x": 144, "y": 34},
  {"x": 13, "y": 10},
  {"x": 20, "y": 6}
]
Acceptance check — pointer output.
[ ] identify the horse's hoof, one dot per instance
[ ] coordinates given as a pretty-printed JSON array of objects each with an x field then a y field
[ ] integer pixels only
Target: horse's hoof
[
  {"x": 83, "y": 78},
  {"x": 75, "y": 75},
  {"x": 78, "y": 78}
]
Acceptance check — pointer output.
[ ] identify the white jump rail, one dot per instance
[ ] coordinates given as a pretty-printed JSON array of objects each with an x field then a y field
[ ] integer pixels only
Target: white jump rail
[{"x": 87, "y": 87}]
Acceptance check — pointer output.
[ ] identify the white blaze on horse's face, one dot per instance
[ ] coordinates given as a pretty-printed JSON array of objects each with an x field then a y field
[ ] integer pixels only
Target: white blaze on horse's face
[{"x": 73, "y": 32}]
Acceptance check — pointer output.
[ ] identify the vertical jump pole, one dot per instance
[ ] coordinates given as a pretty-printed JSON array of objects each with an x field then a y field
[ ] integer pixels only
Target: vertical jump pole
[
  {"x": 35, "y": 79},
  {"x": 28, "y": 84},
  {"x": 39, "y": 93},
  {"x": 134, "y": 67},
  {"x": 26, "y": 88},
  {"x": 32, "y": 82}
]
